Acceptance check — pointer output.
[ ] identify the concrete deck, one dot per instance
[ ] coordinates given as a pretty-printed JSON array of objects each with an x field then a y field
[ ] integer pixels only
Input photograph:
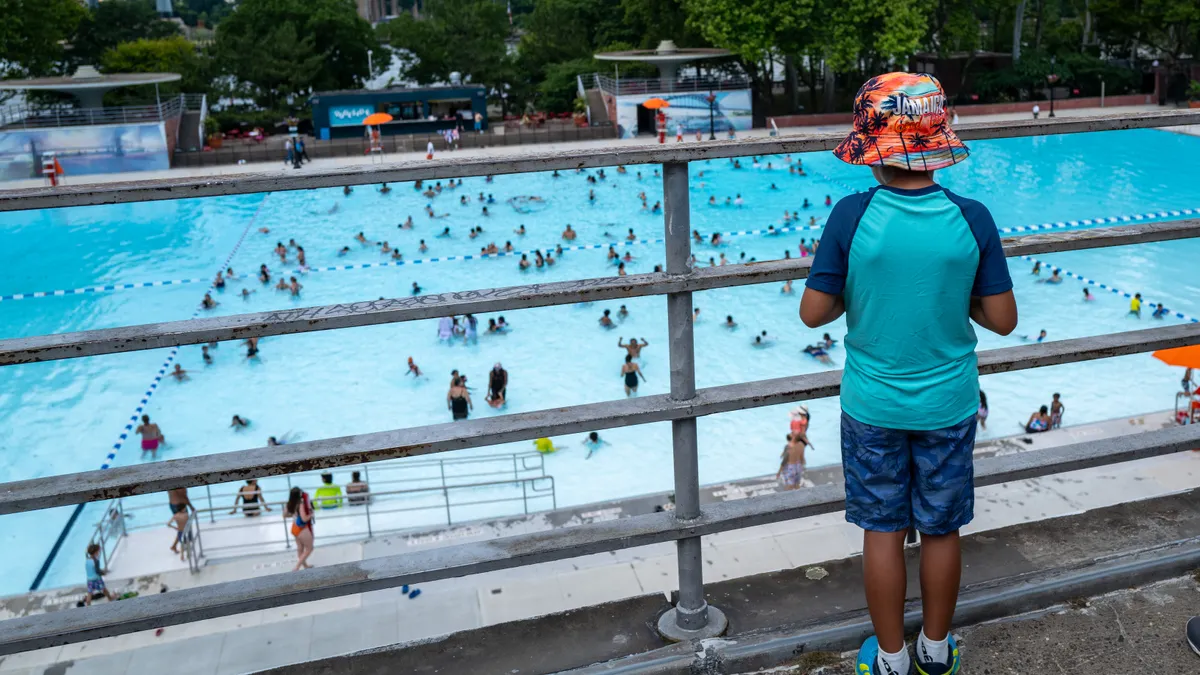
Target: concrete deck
[
  {"x": 497, "y": 151},
  {"x": 316, "y": 630}
]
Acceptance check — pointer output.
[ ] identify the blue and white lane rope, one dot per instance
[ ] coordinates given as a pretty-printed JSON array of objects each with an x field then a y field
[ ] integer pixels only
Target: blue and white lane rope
[
  {"x": 768, "y": 231},
  {"x": 162, "y": 370},
  {"x": 1113, "y": 289}
]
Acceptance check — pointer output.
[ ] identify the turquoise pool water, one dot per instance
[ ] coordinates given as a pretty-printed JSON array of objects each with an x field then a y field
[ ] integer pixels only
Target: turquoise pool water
[{"x": 66, "y": 416}]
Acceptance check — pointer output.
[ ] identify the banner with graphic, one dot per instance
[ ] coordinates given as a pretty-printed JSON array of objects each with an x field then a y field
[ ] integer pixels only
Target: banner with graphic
[
  {"x": 114, "y": 148},
  {"x": 349, "y": 115},
  {"x": 730, "y": 110}
]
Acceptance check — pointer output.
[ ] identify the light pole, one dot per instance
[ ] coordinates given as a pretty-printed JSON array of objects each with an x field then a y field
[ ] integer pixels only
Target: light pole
[
  {"x": 1052, "y": 78},
  {"x": 712, "y": 132}
]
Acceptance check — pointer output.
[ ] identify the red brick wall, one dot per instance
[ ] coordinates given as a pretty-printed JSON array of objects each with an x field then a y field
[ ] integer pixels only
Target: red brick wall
[{"x": 981, "y": 109}]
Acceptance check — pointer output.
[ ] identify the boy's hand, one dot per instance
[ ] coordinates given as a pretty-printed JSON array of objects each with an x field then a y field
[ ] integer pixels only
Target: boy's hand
[
  {"x": 997, "y": 313},
  {"x": 818, "y": 308}
]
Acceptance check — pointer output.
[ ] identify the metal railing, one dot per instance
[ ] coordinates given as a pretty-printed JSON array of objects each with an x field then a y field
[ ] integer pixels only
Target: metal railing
[
  {"x": 448, "y": 488},
  {"x": 691, "y": 617},
  {"x": 40, "y": 117},
  {"x": 353, "y": 517},
  {"x": 653, "y": 85}
]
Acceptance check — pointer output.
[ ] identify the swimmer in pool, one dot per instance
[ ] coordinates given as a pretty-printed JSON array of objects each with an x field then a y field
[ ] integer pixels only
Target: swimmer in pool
[
  {"x": 239, "y": 423},
  {"x": 396, "y": 254},
  {"x": 508, "y": 247},
  {"x": 264, "y": 275},
  {"x": 343, "y": 251},
  {"x": 712, "y": 201},
  {"x": 612, "y": 253},
  {"x": 208, "y": 359},
  {"x": 1038, "y": 421},
  {"x": 1054, "y": 278},
  {"x": 385, "y": 247},
  {"x": 1041, "y": 337},
  {"x": 246, "y": 293},
  {"x": 412, "y": 368},
  {"x": 281, "y": 250},
  {"x": 593, "y": 443},
  {"x": 422, "y": 248},
  {"x": 621, "y": 269},
  {"x": 628, "y": 257},
  {"x": 1160, "y": 311},
  {"x": 251, "y": 347},
  {"x": 407, "y": 224},
  {"x": 524, "y": 264},
  {"x": 219, "y": 282},
  {"x": 631, "y": 372},
  {"x": 787, "y": 287},
  {"x": 282, "y": 285},
  {"x": 631, "y": 236},
  {"x": 633, "y": 347},
  {"x": 346, "y": 190},
  {"x": 179, "y": 373},
  {"x": 818, "y": 353},
  {"x": 208, "y": 302},
  {"x": 716, "y": 239},
  {"x": 416, "y": 288},
  {"x": 444, "y": 233},
  {"x": 774, "y": 186},
  {"x": 568, "y": 234},
  {"x": 729, "y": 322},
  {"x": 1087, "y": 295},
  {"x": 295, "y": 287},
  {"x": 622, "y": 313},
  {"x": 828, "y": 342},
  {"x": 360, "y": 238},
  {"x": 152, "y": 436},
  {"x": 606, "y": 320},
  {"x": 1037, "y": 268},
  {"x": 695, "y": 315}
]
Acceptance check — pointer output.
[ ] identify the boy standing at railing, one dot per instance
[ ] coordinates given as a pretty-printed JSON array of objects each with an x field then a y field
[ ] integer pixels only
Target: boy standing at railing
[{"x": 910, "y": 264}]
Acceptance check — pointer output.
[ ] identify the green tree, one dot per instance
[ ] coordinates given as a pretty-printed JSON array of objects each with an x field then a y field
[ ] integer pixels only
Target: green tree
[
  {"x": 114, "y": 22},
  {"x": 281, "y": 49},
  {"x": 453, "y": 36},
  {"x": 32, "y": 33},
  {"x": 167, "y": 55}
]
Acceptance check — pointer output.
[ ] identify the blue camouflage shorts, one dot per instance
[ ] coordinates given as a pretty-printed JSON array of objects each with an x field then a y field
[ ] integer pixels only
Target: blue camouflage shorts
[{"x": 897, "y": 479}]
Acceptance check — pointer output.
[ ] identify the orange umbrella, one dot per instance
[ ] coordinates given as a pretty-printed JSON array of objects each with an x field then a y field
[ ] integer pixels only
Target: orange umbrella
[
  {"x": 1184, "y": 357},
  {"x": 377, "y": 118},
  {"x": 656, "y": 103}
]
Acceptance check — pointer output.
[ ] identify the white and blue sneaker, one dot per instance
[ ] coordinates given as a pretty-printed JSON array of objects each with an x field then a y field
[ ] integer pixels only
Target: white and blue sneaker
[
  {"x": 927, "y": 666},
  {"x": 868, "y": 660}
]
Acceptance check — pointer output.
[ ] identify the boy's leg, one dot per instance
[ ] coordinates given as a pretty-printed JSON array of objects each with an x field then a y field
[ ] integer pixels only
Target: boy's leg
[
  {"x": 943, "y": 500},
  {"x": 941, "y": 571},
  {"x": 885, "y": 582},
  {"x": 876, "y": 462}
]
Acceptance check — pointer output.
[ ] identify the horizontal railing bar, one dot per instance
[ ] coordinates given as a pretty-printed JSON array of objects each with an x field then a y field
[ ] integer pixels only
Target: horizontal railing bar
[
  {"x": 123, "y": 481},
  {"x": 245, "y": 183},
  {"x": 235, "y": 597},
  {"x": 374, "y": 312}
]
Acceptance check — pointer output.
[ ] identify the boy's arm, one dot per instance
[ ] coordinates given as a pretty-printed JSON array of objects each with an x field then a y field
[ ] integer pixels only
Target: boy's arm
[
  {"x": 822, "y": 301},
  {"x": 818, "y": 308},
  {"x": 997, "y": 313}
]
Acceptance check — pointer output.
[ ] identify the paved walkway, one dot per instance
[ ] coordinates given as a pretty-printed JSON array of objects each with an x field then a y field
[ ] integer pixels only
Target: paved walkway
[
  {"x": 498, "y": 151},
  {"x": 268, "y": 638}
]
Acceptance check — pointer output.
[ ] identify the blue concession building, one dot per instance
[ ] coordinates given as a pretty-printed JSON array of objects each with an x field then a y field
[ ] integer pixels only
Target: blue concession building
[{"x": 418, "y": 110}]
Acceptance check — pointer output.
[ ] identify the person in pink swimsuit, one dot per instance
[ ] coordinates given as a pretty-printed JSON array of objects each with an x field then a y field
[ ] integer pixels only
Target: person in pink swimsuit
[{"x": 152, "y": 436}]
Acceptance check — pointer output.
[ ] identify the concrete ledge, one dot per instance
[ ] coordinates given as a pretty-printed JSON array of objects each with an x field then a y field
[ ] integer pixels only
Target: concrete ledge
[{"x": 792, "y": 612}]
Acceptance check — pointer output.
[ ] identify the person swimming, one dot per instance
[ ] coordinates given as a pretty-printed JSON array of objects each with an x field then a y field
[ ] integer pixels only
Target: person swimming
[
  {"x": 1054, "y": 278},
  {"x": 606, "y": 320},
  {"x": 593, "y": 442},
  {"x": 1038, "y": 421},
  {"x": 413, "y": 369},
  {"x": 828, "y": 342},
  {"x": 818, "y": 352},
  {"x": 208, "y": 302},
  {"x": 729, "y": 322},
  {"x": 343, "y": 251},
  {"x": 1040, "y": 338},
  {"x": 1160, "y": 312},
  {"x": 239, "y": 423},
  {"x": 416, "y": 288},
  {"x": 264, "y": 275},
  {"x": 422, "y": 248},
  {"x": 1037, "y": 267},
  {"x": 630, "y": 371},
  {"x": 208, "y": 359},
  {"x": 179, "y": 373},
  {"x": 444, "y": 233},
  {"x": 1087, "y": 295}
]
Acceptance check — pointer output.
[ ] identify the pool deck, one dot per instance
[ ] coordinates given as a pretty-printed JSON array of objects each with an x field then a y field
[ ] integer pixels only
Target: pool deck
[
  {"x": 341, "y": 625},
  {"x": 513, "y": 150}
]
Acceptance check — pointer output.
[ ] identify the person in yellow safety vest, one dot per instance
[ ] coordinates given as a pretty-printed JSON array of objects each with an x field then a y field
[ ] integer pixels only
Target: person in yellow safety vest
[{"x": 328, "y": 496}]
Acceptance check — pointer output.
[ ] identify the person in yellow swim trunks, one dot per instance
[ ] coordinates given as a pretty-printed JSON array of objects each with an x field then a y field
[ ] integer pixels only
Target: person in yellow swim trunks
[{"x": 1135, "y": 305}]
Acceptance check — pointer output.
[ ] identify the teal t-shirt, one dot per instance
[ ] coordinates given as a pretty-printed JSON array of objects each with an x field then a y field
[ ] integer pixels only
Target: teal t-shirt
[{"x": 907, "y": 263}]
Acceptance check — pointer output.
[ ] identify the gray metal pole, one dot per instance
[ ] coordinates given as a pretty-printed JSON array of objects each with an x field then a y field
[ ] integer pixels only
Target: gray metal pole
[{"x": 692, "y": 617}]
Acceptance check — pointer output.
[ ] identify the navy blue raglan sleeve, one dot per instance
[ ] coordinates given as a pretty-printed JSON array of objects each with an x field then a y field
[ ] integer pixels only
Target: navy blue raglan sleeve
[
  {"x": 991, "y": 277},
  {"x": 832, "y": 261}
]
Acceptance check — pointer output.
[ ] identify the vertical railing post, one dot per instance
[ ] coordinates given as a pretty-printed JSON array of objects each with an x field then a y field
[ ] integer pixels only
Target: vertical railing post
[{"x": 691, "y": 617}]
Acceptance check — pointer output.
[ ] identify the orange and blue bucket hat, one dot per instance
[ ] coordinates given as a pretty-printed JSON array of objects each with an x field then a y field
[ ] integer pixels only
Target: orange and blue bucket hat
[{"x": 900, "y": 121}]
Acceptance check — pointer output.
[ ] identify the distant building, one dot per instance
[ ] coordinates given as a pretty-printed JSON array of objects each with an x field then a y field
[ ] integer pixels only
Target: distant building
[
  {"x": 375, "y": 10},
  {"x": 414, "y": 110}
]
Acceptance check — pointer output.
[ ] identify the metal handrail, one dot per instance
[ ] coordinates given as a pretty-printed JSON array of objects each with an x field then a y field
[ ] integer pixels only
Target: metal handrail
[
  {"x": 395, "y": 310},
  {"x": 646, "y": 85},
  {"x": 682, "y": 406},
  {"x": 400, "y": 172},
  {"x": 532, "y": 488},
  {"x": 29, "y": 116}
]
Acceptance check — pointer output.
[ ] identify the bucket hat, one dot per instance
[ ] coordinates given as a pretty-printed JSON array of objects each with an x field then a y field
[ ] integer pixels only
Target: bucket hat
[{"x": 900, "y": 121}]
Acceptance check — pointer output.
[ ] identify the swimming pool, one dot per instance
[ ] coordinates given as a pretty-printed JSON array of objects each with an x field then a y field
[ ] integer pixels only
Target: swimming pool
[{"x": 66, "y": 416}]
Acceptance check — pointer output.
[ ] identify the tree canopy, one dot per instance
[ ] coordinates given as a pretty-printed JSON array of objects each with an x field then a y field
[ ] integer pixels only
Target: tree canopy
[
  {"x": 114, "y": 22},
  {"x": 287, "y": 49},
  {"x": 32, "y": 33}
]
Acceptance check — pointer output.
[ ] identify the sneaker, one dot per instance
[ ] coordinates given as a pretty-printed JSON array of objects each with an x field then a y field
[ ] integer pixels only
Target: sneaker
[
  {"x": 928, "y": 667},
  {"x": 868, "y": 659},
  {"x": 1193, "y": 633}
]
